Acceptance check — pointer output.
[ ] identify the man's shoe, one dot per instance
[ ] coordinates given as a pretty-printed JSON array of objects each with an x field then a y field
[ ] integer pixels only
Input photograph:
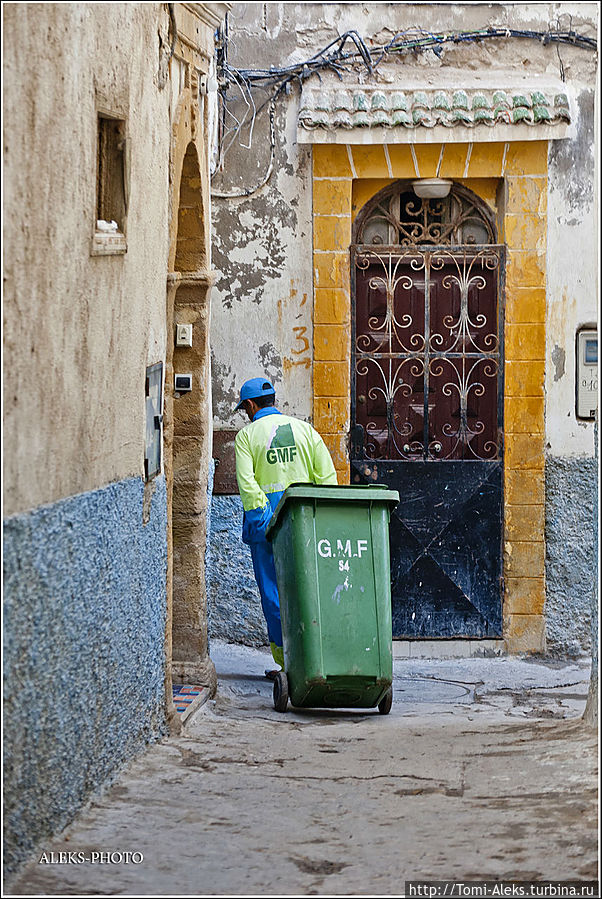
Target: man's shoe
[{"x": 271, "y": 675}]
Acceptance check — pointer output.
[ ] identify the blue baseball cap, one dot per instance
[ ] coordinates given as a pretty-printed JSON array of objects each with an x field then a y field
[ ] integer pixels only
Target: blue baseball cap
[{"x": 253, "y": 389}]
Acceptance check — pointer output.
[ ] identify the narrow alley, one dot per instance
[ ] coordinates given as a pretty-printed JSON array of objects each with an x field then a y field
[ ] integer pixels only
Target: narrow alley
[
  {"x": 483, "y": 770},
  {"x": 300, "y": 338}
]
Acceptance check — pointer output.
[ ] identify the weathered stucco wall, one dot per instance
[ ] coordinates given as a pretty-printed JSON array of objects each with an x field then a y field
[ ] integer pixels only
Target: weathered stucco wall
[
  {"x": 572, "y": 298},
  {"x": 93, "y": 553},
  {"x": 262, "y": 303},
  {"x": 253, "y": 311},
  {"x": 79, "y": 331},
  {"x": 85, "y": 540},
  {"x": 572, "y": 289}
]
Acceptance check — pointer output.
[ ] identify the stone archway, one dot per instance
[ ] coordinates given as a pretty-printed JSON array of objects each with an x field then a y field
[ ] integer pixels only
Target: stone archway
[
  {"x": 187, "y": 414},
  {"x": 191, "y": 256}
]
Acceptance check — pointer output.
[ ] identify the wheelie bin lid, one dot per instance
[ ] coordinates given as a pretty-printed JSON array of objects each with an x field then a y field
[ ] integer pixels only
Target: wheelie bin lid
[{"x": 353, "y": 493}]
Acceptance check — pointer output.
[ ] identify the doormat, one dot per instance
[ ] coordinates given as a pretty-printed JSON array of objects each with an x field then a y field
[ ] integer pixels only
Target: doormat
[{"x": 187, "y": 698}]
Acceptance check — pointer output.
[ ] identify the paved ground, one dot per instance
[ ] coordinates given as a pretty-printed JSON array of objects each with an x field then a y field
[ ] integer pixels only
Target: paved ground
[{"x": 482, "y": 770}]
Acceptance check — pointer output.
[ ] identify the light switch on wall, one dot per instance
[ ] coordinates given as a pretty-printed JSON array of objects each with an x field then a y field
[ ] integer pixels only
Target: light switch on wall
[{"x": 183, "y": 335}]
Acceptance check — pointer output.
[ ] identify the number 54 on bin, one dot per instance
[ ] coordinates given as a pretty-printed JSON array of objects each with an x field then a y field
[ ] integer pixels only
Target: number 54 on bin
[{"x": 343, "y": 548}]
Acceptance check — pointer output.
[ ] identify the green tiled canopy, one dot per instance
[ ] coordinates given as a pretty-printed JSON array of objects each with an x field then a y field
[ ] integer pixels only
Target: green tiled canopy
[{"x": 362, "y": 107}]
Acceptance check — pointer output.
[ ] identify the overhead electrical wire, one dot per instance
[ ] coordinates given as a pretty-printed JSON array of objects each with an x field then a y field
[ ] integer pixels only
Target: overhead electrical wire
[
  {"x": 345, "y": 51},
  {"x": 246, "y": 192}
]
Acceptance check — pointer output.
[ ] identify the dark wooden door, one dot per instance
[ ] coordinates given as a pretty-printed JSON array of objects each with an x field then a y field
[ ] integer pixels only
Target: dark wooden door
[{"x": 427, "y": 404}]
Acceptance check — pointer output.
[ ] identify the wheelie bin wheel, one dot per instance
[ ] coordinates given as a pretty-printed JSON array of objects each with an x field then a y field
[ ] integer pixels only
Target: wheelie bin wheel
[
  {"x": 280, "y": 692},
  {"x": 384, "y": 706}
]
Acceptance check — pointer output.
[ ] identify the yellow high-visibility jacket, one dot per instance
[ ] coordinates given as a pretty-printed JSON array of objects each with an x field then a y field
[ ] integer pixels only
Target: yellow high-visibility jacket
[{"x": 273, "y": 452}]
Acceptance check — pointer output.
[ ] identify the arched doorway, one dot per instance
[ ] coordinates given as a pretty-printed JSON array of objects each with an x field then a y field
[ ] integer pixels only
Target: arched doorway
[
  {"x": 190, "y": 244},
  {"x": 427, "y": 402},
  {"x": 187, "y": 414}
]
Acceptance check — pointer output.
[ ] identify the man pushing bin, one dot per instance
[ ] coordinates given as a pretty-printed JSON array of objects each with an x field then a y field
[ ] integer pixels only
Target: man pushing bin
[{"x": 272, "y": 452}]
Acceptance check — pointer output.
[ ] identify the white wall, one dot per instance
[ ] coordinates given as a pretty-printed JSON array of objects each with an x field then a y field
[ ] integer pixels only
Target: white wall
[{"x": 572, "y": 276}]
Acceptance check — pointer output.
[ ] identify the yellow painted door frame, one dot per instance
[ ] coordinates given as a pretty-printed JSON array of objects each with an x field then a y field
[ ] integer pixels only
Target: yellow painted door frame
[{"x": 512, "y": 178}]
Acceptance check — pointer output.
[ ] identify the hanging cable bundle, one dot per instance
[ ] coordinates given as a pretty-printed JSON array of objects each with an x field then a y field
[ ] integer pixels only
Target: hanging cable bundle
[{"x": 345, "y": 52}]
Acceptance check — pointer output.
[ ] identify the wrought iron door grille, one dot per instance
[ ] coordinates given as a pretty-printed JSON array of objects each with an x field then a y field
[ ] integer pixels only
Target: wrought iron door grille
[
  {"x": 397, "y": 217},
  {"x": 427, "y": 373}
]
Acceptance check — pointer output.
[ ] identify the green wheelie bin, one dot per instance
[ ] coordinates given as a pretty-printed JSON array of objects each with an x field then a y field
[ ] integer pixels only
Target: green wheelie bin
[{"x": 331, "y": 551}]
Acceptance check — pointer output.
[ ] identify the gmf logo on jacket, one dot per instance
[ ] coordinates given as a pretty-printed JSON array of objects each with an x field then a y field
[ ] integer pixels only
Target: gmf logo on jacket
[{"x": 283, "y": 447}]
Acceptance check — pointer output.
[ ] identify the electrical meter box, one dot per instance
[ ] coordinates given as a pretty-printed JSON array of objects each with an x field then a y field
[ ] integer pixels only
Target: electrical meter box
[
  {"x": 154, "y": 420},
  {"x": 586, "y": 371}
]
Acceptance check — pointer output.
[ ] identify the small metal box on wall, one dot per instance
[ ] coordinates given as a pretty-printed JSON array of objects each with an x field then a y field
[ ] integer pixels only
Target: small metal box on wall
[
  {"x": 225, "y": 483},
  {"x": 154, "y": 420},
  {"x": 586, "y": 371}
]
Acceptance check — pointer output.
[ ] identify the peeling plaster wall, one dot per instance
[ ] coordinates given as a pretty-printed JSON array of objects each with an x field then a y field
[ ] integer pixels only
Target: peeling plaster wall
[
  {"x": 572, "y": 284},
  {"x": 254, "y": 311},
  {"x": 261, "y": 320},
  {"x": 572, "y": 301},
  {"x": 261, "y": 303},
  {"x": 263, "y": 243}
]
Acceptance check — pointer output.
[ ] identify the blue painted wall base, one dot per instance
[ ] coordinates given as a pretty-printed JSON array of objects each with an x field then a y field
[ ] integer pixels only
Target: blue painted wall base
[
  {"x": 84, "y": 627},
  {"x": 233, "y": 602},
  {"x": 571, "y": 553}
]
